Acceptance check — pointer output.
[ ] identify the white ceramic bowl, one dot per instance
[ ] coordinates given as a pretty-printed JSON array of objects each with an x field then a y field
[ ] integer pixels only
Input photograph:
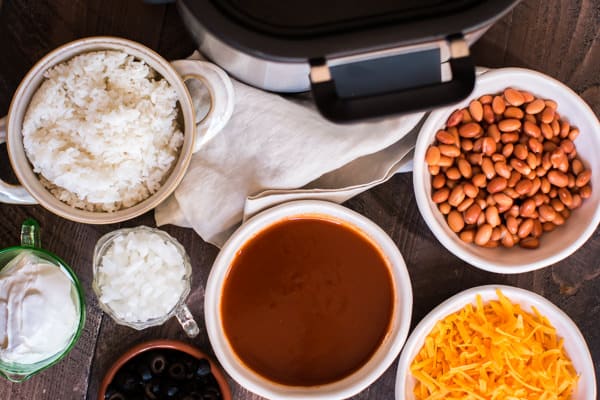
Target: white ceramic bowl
[
  {"x": 574, "y": 343},
  {"x": 359, "y": 380},
  {"x": 554, "y": 246}
]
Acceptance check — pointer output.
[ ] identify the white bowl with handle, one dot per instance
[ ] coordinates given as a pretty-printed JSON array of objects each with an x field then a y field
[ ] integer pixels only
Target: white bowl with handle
[{"x": 196, "y": 133}]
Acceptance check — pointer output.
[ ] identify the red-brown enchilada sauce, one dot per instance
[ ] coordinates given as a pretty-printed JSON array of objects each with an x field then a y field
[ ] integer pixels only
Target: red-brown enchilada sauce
[{"x": 307, "y": 301}]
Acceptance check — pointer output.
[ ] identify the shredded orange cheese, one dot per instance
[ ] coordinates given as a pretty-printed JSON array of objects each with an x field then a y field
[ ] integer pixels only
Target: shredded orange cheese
[{"x": 493, "y": 351}]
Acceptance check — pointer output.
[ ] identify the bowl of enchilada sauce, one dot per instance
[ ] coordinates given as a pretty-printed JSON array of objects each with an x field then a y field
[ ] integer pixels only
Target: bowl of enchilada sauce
[{"x": 309, "y": 304}]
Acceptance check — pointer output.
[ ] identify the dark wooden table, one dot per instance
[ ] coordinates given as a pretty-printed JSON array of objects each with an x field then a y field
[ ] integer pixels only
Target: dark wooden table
[{"x": 559, "y": 38}]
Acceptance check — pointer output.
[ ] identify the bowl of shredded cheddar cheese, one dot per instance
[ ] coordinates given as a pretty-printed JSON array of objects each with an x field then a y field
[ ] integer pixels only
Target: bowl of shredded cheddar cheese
[{"x": 496, "y": 342}]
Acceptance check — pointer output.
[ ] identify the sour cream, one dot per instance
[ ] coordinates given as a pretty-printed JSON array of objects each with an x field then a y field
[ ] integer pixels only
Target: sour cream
[{"x": 38, "y": 311}]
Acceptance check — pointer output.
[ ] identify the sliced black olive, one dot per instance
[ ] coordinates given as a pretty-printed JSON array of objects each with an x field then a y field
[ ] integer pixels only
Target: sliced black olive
[
  {"x": 144, "y": 371},
  {"x": 190, "y": 368},
  {"x": 158, "y": 364},
  {"x": 151, "y": 390},
  {"x": 130, "y": 383},
  {"x": 155, "y": 385},
  {"x": 110, "y": 390},
  {"x": 192, "y": 396},
  {"x": 117, "y": 396},
  {"x": 127, "y": 381},
  {"x": 203, "y": 367},
  {"x": 177, "y": 371},
  {"x": 172, "y": 391},
  {"x": 213, "y": 391}
]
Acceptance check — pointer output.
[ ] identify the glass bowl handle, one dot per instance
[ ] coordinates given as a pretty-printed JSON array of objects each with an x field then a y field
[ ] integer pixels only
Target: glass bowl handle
[
  {"x": 16, "y": 378},
  {"x": 186, "y": 320},
  {"x": 30, "y": 234}
]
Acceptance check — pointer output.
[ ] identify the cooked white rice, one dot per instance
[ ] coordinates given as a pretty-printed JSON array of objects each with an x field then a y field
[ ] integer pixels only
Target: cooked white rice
[{"x": 102, "y": 131}]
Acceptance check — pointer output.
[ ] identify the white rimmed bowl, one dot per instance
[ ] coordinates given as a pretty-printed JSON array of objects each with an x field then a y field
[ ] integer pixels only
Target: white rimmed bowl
[
  {"x": 554, "y": 246},
  {"x": 346, "y": 387},
  {"x": 574, "y": 343}
]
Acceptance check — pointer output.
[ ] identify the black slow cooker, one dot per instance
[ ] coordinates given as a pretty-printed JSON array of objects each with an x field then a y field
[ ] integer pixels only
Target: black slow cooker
[{"x": 361, "y": 58}]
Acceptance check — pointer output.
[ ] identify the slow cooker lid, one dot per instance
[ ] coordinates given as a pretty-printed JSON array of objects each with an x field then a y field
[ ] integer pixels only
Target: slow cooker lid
[
  {"x": 296, "y": 31},
  {"x": 317, "y": 17}
]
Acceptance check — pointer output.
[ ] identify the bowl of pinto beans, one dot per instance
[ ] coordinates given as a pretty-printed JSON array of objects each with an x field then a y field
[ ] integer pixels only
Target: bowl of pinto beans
[{"x": 508, "y": 180}]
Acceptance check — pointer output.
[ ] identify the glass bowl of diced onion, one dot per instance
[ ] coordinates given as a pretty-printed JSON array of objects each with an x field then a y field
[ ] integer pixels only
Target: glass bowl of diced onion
[{"x": 142, "y": 277}]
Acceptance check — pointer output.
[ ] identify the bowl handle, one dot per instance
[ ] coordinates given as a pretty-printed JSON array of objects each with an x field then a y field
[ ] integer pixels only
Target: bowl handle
[
  {"x": 30, "y": 234},
  {"x": 186, "y": 320},
  {"x": 220, "y": 97},
  {"x": 12, "y": 194}
]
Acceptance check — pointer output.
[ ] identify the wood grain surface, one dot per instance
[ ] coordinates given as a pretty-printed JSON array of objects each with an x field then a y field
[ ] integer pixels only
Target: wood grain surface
[{"x": 559, "y": 38}]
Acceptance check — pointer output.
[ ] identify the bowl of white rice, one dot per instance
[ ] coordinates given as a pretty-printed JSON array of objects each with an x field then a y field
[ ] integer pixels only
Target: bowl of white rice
[{"x": 102, "y": 129}]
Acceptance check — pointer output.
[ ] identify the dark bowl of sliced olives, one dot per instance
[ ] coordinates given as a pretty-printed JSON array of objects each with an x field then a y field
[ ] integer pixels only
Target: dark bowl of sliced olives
[{"x": 164, "y": 369}]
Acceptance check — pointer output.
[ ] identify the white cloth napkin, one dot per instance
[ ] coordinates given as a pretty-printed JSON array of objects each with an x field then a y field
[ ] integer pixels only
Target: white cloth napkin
[{"x": 276, "y": 149}]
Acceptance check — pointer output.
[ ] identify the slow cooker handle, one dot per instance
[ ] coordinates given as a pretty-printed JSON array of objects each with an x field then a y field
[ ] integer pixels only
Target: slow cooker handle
[{"x": 338, "y": 109}]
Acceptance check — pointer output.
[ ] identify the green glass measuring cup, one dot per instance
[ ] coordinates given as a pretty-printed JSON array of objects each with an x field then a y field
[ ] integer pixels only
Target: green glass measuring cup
[{"x": 30, "y": 244}]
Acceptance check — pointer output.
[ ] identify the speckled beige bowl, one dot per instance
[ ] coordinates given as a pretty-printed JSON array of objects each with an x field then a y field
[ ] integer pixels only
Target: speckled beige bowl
[{"x": 215, "y": 80}]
